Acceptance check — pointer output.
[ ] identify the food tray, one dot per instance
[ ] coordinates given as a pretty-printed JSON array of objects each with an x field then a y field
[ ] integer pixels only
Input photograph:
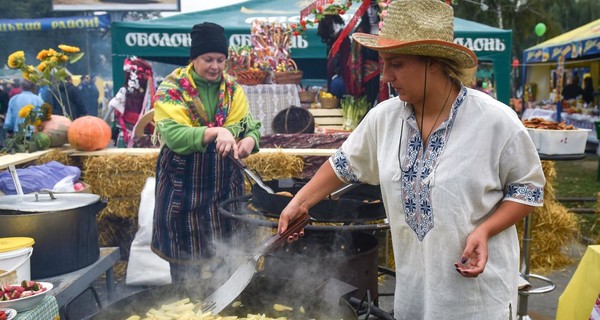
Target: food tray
[{"x": 559, "y": 142}]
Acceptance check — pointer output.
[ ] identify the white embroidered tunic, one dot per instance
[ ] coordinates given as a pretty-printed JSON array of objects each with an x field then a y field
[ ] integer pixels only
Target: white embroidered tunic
[{"x": 480, "y": 156}]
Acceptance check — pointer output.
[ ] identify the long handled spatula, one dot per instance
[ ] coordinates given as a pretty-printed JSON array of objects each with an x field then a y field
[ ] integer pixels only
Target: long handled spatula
[{"x": 232, "y": 288}]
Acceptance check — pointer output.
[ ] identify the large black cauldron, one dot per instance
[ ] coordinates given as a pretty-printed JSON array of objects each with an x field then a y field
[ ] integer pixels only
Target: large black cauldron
[{"x": 64, "y": 229}]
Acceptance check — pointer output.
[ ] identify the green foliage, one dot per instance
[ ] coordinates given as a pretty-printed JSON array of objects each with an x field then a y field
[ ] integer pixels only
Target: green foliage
[{"x": 559, "y": 16}]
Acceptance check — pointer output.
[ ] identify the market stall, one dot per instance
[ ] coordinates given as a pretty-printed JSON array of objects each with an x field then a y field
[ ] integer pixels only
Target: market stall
[
  {"x": 573, "y": 53},
  {"x": 167, "y": 39}
]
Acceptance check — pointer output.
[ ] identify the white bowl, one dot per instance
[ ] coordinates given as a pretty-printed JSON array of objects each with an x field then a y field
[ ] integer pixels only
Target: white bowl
[
  {"x": 24, "y": 304},
  {"x": 10, "y": 313}
]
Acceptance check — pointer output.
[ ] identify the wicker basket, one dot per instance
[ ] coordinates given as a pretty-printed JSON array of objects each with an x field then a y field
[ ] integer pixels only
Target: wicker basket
[
  {"x": 307, "y": 96},
  {"x": 293, "y": 120},
  {"x": 329, "y": 103},
  {"x": 251, "y": 77},
  {"x": 288, "y": 77},
  {"x": 293, "y": 76}
]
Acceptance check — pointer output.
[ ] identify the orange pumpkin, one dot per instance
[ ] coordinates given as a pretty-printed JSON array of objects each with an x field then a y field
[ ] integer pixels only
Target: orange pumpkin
[
  {"x": 57, "y": 129},
  {"x": 89, "y": 133}
]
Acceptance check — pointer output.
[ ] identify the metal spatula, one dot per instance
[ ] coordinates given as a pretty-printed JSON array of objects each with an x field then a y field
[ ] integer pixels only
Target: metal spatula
[
  {"x": 251, "y": 174},
  {"x": 240, "y": 279}
]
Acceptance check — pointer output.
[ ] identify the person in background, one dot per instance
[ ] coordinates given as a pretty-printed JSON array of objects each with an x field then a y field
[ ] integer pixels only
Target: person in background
[
  {"x": 15, "y": 88},
  {"x": 588, "y": 90},
  {"x": 203, "y": 121},
  {"x": 457, "y": 170},
  {"x": 18, "y": 101},
  {"x": 89, "y": 94},
  {"x": 338, "y": 70},
  {"x": 573, "y": 89},
  {"x": 67, "y": 100},
  {"x": 364, "y": 61},
  {"x": 3, "y": 108}
]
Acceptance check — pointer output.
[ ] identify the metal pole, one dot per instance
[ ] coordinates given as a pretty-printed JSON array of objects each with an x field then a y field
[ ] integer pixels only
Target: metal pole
[{"x": 523, "y": 298}]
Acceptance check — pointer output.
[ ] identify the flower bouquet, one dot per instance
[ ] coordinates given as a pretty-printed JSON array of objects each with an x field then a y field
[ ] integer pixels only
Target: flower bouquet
[{"x": 50, "y": 72}]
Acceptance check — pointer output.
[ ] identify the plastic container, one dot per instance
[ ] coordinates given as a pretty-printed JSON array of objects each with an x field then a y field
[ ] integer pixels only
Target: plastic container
[
  {"x": 559, "y": 142},
  {"x": 15, "y": 256}
]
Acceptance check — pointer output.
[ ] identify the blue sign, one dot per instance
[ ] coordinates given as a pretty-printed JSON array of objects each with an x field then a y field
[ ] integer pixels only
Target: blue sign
[{"x": 84, "y": 22}]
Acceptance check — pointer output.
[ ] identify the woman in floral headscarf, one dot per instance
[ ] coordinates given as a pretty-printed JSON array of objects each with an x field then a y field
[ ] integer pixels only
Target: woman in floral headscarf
[{"x": 202, "y": 117}]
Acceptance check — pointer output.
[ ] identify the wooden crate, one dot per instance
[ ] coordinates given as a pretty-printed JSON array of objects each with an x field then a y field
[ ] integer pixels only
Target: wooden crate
[{"x": 327, "y": 118}]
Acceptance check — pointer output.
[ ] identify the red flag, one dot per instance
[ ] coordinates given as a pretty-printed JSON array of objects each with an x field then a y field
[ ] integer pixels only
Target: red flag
[{"x": 361, "y": 10}]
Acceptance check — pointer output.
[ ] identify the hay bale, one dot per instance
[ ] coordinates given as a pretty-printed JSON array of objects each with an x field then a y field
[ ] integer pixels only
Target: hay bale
[
  {"x": 117, "y": 232},
  {"x": 118, "y": 175},
  {"x": 270, "y": 166},
  {"x": 55, "y": 155},
  {"x": 553, "y": 228}
]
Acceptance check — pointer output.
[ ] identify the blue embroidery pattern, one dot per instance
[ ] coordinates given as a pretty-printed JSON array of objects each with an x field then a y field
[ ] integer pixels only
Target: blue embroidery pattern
[
  {"x": 418, "y": 170},
  {"x": 525, "y": 192},
  {"x": 342, "y": 166}
]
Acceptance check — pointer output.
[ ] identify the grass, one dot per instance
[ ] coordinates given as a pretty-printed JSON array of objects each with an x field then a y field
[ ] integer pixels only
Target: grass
[{"x": 577, "y": 179}]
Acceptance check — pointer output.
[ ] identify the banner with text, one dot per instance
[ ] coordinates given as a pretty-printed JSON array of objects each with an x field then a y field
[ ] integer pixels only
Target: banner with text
[{"x": 83, "y": 22}]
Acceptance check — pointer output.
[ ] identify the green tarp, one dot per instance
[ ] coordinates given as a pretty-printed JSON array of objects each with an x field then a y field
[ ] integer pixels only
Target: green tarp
[{"x": 167, "y": 39}]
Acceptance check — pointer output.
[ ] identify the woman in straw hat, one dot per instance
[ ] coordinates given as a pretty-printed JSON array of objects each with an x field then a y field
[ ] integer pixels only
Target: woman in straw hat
[{"x": 457, "y": 170}]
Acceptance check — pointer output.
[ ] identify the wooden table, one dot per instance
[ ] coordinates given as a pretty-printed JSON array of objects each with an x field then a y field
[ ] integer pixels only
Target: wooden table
[{"x": 69, "y": 286}]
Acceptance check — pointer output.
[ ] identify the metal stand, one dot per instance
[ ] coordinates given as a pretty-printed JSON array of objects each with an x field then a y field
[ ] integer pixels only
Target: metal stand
[{"x": 524, "y": 294}]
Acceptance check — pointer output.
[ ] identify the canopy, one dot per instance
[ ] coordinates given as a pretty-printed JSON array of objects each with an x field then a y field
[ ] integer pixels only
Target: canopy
[
  {"x": 579, "y": 47},
  {"x": 578, "y": 43},
  {"x": 167, "y": 39}
]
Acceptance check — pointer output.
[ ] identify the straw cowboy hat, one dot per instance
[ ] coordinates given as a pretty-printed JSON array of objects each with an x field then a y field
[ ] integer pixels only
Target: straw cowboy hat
[{"x": 419, "y": 27}]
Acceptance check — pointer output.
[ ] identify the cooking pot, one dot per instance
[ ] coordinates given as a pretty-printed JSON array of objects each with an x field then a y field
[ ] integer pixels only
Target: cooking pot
[
  {"x": 321, "y": 299},
  {"x": 63, "y": 226},
  {"x": 360, "y": 204}
]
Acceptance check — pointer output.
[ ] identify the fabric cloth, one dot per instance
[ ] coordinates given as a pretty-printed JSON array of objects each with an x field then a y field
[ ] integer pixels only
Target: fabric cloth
[
  {"x": 208, "y": 37},
  {"x": 481, "y": 155},
  {"x": 267, "y": 100},
  {"x": 46, "y": 310},
  {"x": 191, "y": 183},
  {"x": 12, "y": 120},
  {"x": 144, "y": 267}
]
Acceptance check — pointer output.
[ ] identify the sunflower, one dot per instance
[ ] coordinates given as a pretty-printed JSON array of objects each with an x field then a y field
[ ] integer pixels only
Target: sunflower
[
  {"x": 24, "y": 112},
  {"x": 42, "y": 66},
  {"x": 42, "y": 55},
  {"x": 68, "y": 49},
  {"x": 16, "y": 59}
]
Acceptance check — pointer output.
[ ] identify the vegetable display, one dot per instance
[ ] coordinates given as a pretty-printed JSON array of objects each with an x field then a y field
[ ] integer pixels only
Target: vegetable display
[{"x": 353, "y": 111}]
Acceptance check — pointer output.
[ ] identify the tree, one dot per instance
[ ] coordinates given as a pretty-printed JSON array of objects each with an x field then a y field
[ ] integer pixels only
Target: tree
[{"x": 521, "y": 16}]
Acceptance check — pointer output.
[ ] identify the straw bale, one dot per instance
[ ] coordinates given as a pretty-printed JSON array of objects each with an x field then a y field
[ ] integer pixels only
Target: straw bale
[
  {"x": 121, "y": 207},
  {"x": 117, "y": 232},
  {"x": 276, "y": 165},
  {"x": 55, "y": 155},
  {"x": 118, "y": 175},
  {"x": 553, "y": 227},
  {"x": 270, "y": 166}
]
